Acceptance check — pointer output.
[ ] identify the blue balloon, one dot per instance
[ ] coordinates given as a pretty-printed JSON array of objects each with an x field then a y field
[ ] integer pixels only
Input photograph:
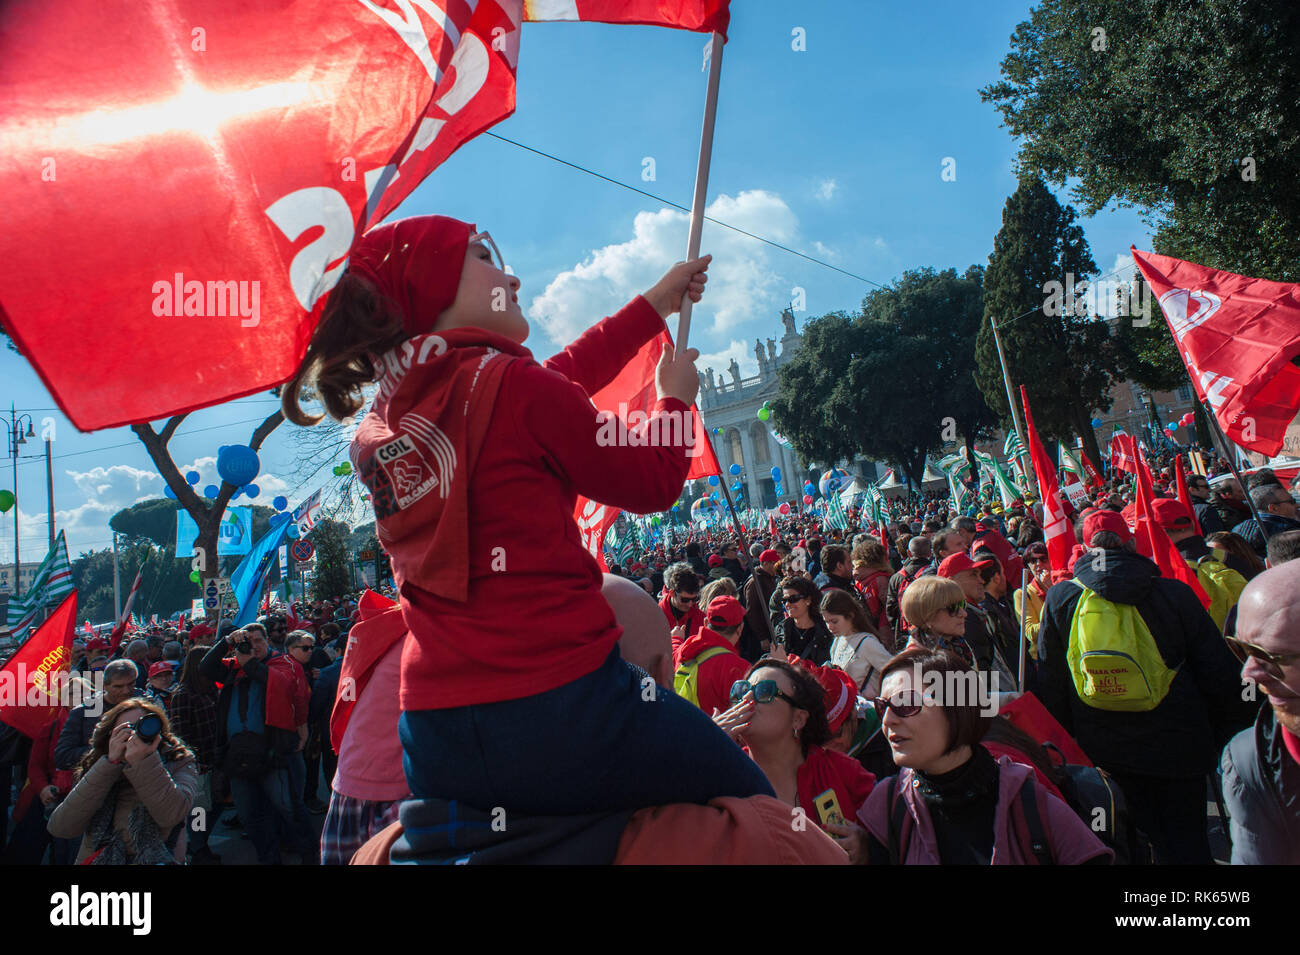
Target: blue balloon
[
  {"x": 776, "y": 474},
  {"x": 676, "y": 507},
  {"x": 280, "y": 503},
  {"x": 238, "y": 464},
  {"x": 713, "y": 479},
  {"x": 809, "y": 488},
  {"x": 192, "y": 477},
  {"x": 736, "y": 486},
  {"x": 210, "y": 492},
  {"x": 1096, "y": 422},
  {"x": 252, "y": 490},
  {"x": 734, "y": 469},
  {"x": 168, "y": 492},
  {"x": 292, "y": 532}
]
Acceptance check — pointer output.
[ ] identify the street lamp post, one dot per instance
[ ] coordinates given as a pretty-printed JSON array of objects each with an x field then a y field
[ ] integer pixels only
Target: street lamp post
[{"x": 16, "y": 437}]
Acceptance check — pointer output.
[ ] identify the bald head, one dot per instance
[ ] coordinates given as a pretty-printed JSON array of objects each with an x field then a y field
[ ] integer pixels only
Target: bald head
[
  {"x": 645, "y": 641},
  {"x": 1268, "y": 616}
]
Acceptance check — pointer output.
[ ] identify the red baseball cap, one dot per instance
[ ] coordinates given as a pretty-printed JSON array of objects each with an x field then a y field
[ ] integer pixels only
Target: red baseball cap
[
  {"x": 725, "y": 611},
  {"x": 1105, "y": 521},
  {"x": 715, "y": 561},
  {"x": 954, "y": 564},
  {"x": 162, "y": 666},
  {"x": 96, "y": 645},
  {"x": 1171, "y": 513},
  {"x": 769, "y": 556}
]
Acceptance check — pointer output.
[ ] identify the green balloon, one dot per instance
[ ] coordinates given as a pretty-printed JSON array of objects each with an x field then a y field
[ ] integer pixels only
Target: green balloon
[
  {"x": 6, "y": 500},
  {"x": 194, "y": 576},
  {"x": 764, "y": 414}
]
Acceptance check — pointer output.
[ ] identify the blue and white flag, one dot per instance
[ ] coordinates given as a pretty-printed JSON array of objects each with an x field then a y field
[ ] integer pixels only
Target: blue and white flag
[{"x": 247, "y": 580}]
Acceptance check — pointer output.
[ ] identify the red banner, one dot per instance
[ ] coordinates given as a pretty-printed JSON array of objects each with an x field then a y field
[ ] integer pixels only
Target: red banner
[
  {"x": 632, "y": 395},
  {"x": 31, "y": 682},
  {"x": 1237, "y": 336},
  {"x": 1180, "y": 475},
  {"x": 183, "y": 183},
  {"x": 1056, "y": 526}
]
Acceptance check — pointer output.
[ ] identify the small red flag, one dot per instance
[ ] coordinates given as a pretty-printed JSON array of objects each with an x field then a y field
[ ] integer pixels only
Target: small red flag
[
  {"x": 1056, "y": 526},
  {"x": 1237, "y": 336},
  {"x": 1180, "y": 475},
  {"x": 1094, "y": 476},
  {"x": 40, "y": 666}
]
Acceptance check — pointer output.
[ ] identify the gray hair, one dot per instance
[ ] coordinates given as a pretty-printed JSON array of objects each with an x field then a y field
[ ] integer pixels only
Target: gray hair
[
  {"x": 171, "y": 650},
  {"x": 676, "y": 573},
  {"x": 919, "y": 547},
  {"x": 136, "y": 646},
  {"x": 1265, "y": 494},
  {"x": 119, "y": 667}
]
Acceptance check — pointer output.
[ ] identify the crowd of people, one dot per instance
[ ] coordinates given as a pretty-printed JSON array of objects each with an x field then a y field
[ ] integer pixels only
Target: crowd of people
[{"x": 930, "y": 691}]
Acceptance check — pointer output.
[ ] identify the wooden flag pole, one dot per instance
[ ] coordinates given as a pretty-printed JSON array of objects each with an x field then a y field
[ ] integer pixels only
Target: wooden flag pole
[{"x": 701, "y": 182}]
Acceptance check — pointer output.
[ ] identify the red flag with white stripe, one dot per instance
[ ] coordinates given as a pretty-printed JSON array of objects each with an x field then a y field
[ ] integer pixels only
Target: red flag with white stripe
[
  {"x": 241, "y": 146},
  {"x": 1239, "y": 338}
]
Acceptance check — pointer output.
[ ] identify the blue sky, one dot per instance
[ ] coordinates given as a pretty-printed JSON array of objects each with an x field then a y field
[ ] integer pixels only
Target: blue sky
[{"x": 836, "y": 151}]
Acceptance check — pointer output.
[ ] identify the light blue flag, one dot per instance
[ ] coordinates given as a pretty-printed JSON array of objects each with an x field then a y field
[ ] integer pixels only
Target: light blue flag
[{"x": 246, "y": 582}]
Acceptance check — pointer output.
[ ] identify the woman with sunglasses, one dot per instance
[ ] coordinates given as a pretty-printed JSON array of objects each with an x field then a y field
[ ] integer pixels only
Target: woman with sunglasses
[
  {"x": 803, "y": 631},
  {"x": 936, "y": 609},
  {"x": 780, "y": 717},
  {"x": 952, "y": 803},
  {"x": 474, "y": 455},
  {"x": 1029, "y": 599}
]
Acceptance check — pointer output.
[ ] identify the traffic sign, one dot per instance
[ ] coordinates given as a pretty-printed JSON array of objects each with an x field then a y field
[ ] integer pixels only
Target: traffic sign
[
  {"x": 302, "y": 550},
  {"x": 213, "y": 588}
]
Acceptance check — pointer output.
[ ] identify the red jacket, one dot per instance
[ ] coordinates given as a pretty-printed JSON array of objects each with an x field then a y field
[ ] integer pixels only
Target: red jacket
[
  {"x": 474, "y": 455},
  {"x": 40, "y": 767},
  {"x": 716, "y": 674},
  {"x": 693, "y": 618},
  {"x": 824, "y": 769}
]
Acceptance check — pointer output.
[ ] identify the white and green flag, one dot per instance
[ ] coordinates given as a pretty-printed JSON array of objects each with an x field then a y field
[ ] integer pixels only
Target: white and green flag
[
  {"x": 997, "y": 476},
  {"x": 956, "y": 468},
  {"x": 53, "y": 582}
]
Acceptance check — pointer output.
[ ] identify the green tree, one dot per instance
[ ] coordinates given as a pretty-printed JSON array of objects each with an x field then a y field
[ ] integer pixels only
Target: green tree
[
  {"x": 1183, "y": 108},
  {"x": 1065, "y": 359},
  {"x": 333, "y": 575},
  {"x": 893, "y": 382}
]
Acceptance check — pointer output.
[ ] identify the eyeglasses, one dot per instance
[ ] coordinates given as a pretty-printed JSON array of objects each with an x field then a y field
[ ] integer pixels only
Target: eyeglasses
[
  {"x": 302, "y": 646},
  {"x": 911, "y": 707},
  {"x": 689, "y": 598},
  {"x": 765, "y": 691},
  {"x": 486, "y": 240},
  {"x": 955, "y": 609},
  {"x": 1273, "y": 662},
  {"x": 792, "y": 598}
]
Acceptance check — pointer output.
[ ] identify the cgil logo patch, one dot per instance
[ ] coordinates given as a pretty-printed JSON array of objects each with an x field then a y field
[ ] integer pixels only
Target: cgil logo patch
[{"x": 408, "y": 472}]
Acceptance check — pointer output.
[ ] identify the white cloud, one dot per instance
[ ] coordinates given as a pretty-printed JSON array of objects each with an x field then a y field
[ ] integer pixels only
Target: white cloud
[
  {"x": 825, "y": 251},
  {"x": 826, "y": 188},
  {"x": 881, "y": 244},
  {"x": 741, "y": 281}
]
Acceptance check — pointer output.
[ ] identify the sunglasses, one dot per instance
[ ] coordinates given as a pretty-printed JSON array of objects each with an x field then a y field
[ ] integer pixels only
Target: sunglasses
[
  {"x": 955, "y": 609},
  {"x": 792, "y": 598},
  {"x": 689, "y": 598},
  {"x": 765, "y": 691},
  {"x": 1273, "y": 662},
  {"x": 486, "y": 240},
  {"x": 911, "y": 707}
]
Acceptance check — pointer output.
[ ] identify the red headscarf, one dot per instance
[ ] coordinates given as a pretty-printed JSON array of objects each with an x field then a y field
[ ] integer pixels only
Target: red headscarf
[{"x": 416, "y": 264}]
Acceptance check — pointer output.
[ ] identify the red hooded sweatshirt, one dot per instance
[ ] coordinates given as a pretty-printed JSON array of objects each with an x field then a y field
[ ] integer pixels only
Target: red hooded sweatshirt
[
  {"x": 716, "y": 674},
  {"x": 693, "y": 618},
  {"x": 826, "y": 770},
  {"x": 474, "y": 455}
]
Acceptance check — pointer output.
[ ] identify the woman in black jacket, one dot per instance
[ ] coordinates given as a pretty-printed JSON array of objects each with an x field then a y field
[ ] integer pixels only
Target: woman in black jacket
[{"x": 803, "y": 631}]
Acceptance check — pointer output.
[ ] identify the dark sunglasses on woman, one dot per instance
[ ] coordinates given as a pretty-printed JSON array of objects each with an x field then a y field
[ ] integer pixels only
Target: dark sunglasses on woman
[
  {"x": 906, "y": 704},
  {"x": 765, "y": 691}
]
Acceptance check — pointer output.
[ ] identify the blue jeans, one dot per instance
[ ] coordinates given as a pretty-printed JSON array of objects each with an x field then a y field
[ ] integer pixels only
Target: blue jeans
[
  {"x": 607, "y": 741},
  {"x": 266, "y": 807}
]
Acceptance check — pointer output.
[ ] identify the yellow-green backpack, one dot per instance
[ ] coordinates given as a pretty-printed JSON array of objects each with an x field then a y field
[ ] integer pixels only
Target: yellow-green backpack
[
  {"x": 686, "y": 681},
  {"x": 1113, "y": 659},
  {"x": 1222, "y": 584}
]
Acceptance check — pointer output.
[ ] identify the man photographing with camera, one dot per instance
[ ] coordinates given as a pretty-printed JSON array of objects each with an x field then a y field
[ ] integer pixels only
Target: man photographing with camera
[{"x": 261, "y": 728}]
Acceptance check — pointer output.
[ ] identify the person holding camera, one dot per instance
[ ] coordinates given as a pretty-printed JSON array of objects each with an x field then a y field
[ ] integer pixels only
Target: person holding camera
[
  {"x": 262, "y": 727},
  {"x": 133, "y": 792}
]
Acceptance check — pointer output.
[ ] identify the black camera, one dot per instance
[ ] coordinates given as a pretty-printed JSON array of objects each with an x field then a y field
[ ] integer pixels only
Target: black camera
[
  {"x": 244, "y": 646},
  {"x": 148, "y": 727}
]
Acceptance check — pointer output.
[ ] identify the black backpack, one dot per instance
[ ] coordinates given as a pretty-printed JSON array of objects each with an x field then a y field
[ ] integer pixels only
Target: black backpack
[{"x": 1097, "y": 799}]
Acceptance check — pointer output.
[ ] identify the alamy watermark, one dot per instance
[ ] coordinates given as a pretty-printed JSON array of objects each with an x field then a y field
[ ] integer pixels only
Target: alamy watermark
[
  {"x": 635, "y": 428},
  {"x": 1103, "y": 296},
  {"x": 213, "y": 299}
]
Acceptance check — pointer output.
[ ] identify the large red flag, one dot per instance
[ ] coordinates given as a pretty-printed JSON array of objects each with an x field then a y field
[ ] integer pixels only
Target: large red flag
[
  {"x": 1237, "y": 336},
  {"x": 1153, "y": 542},
  {"x": 187, "y": 179},
  {"x": 1056, "y": 526},
  {"x": 31, "y": 682},
  {"x": 1184, "y": 495},
  {"x": 632, "y": 396}
]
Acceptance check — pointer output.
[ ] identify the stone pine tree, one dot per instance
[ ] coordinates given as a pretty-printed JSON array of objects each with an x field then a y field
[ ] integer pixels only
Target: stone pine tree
[
  {"x": 1034, "y": 287},
  {"x": 1185, "y": 109},
  {"x": 893, "y": 382}
]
